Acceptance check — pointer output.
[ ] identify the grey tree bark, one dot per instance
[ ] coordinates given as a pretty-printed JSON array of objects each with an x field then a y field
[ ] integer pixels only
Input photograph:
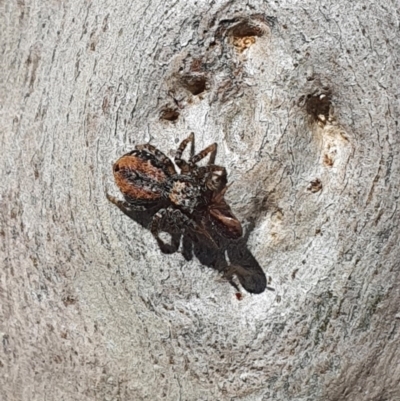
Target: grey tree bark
[{"x": 303, "y": 100}]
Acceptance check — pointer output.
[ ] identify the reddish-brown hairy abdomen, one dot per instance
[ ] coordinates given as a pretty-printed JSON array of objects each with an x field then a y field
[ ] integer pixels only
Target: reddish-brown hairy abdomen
[{"x": 125, "y": 170}]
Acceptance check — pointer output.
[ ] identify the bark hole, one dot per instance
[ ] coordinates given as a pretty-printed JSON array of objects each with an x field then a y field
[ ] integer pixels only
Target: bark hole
[
  {"x": 318, "y": 106},
  {"x": 195, "y": 84},
  {"x": 169, "y": 114}
]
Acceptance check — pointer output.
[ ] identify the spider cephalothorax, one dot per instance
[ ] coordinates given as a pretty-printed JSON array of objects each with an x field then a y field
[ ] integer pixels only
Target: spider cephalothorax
[{"x": 192, "y": 199}]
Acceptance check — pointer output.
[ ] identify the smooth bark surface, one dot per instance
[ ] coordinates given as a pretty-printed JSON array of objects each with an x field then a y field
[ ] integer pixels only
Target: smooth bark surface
[{"x": 303, "y": 101}]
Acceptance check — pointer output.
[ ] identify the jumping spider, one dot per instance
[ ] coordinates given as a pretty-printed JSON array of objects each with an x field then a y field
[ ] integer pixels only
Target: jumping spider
[{"x": 190, "y": 201}]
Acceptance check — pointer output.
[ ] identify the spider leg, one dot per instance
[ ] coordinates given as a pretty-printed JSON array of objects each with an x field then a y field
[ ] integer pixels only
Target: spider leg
[
  {"x": 228, "y": 275},
  {"x": 212, "y": 150},
  {"x": 155, "y": 229},
  {"x": 184, "y": 166},
  {"x": 187, "y": 247},
  {"x": 125, "y": 206},
  {"x": 177, "y": 219},
  {"x": 182, "y": 147},
  {"x": 219, "y": 170},
  {"x": 159, "y": 155}
]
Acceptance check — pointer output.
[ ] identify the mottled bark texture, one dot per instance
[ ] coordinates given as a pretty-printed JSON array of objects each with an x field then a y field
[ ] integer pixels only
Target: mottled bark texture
[{"x": 303, "y": 100}]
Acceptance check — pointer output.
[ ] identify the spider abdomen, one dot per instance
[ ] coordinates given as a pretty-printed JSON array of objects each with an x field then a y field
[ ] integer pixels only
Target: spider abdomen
[{"x": 139, "y": 177}]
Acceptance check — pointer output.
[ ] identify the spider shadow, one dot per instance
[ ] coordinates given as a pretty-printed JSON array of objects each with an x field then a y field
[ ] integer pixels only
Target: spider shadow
[{"x": 242, "y": 263}]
